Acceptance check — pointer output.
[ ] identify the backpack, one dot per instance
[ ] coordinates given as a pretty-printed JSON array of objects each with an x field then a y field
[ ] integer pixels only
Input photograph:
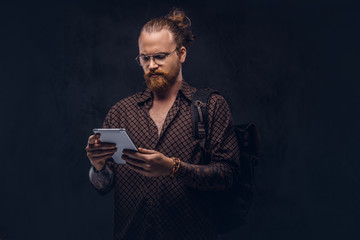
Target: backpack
[{"x": 231, "y": 207}]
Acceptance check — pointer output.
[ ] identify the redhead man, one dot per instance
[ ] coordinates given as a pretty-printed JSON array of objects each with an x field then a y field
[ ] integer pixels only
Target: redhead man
[{"x": 164, "y": 190}]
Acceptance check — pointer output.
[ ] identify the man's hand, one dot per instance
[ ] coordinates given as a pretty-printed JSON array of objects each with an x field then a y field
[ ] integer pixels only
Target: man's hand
[
  {"x": 147, "y": 162},
  {"x": 98, "y": 152}
]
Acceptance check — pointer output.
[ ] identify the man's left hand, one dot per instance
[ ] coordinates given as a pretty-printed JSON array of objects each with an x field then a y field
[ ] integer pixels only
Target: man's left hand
[{"x": 147, "y": 162}]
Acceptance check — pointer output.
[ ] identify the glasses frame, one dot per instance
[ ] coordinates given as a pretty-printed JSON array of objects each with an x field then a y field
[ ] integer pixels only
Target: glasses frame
[{"x": 152, "y": 57}]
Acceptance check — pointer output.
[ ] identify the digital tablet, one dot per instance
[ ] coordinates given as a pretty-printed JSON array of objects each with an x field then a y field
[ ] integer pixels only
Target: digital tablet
[{"x": 119, "y": 137}]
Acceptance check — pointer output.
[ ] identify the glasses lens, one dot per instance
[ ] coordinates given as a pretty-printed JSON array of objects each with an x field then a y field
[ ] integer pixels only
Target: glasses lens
[
  {"x": 143, "y": 59},
  {"x": 160, "y": 58}
]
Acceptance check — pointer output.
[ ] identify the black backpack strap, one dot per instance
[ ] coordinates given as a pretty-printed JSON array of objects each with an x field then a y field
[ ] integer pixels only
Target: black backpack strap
[
  {"x": 236, "y": 203},
  {"x": 249, "y": 144},
  {"x": 199, "y": 113},
  {"x": 250, "y": 138}
]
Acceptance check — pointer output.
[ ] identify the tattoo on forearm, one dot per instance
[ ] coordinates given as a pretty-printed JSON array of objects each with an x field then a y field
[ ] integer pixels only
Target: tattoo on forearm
[
  {"x": 216, "y": 176},
  {"x": 102, "y": 180}
]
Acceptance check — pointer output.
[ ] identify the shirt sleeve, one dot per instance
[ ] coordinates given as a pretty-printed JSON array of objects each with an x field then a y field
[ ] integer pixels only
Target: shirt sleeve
[{"x": 223, "y": 164}]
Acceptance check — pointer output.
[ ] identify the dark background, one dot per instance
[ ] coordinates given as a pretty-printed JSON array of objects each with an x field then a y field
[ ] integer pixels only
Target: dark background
[{"x": 292, "y": 67}]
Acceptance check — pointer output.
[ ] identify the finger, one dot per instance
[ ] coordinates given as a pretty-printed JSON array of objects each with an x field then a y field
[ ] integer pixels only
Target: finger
[
  {"x": 97, "y": 139},
  {"x": 146, "y": 151},
  {"x": 137, "y": 169},
  {"x": 99, "y": 159},
  {"x": 92, "y": 138},
  {"x": 129, "y": 151},
  {"x": 108, "y": 145},
  {"x": 101, "y": 153},
  {"x": 135, "y": 155},
  {"x": 102, "y": 146},
  {"x": 134, "y": 161}
]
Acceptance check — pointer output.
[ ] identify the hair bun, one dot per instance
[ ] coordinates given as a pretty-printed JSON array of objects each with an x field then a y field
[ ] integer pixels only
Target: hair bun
[
  {"x": 178, "y": 16},
  {"x": 177, "y": 23}
]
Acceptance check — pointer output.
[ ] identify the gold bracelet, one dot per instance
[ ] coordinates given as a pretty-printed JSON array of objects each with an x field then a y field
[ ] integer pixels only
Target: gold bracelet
[{"x": 176, "y": 166}]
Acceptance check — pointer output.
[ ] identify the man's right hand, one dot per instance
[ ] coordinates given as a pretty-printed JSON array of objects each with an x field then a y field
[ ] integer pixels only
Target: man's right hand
[{"x": 98, "y": 152}]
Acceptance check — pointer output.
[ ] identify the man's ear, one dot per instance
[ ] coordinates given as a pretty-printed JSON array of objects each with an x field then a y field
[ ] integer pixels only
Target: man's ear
[{"x": 182, "y": 54}]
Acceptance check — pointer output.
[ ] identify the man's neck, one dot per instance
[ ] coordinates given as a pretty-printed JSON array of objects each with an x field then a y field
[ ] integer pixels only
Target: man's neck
[{"x": 170, "y": 94}]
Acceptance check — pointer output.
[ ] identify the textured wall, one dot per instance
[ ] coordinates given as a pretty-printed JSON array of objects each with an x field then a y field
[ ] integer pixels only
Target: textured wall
[{"x": 289, "y": 66}]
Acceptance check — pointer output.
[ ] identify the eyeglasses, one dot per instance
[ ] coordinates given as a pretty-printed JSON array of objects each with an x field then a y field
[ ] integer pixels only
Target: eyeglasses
[{"x": 159, "y": 59}]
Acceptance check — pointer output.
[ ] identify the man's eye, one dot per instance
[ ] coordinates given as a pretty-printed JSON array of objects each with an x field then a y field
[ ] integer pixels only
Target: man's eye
[
  {"x": 160, "y": 56},
  {"x": 145, "y": 58}
]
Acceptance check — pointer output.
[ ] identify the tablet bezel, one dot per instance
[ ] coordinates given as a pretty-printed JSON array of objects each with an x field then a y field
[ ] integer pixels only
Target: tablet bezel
[{"x": 120, "y": 137}]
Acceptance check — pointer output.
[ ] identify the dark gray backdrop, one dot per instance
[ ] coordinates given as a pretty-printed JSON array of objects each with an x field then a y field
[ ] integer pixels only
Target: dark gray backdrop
[{"x": 289, "y": 66}]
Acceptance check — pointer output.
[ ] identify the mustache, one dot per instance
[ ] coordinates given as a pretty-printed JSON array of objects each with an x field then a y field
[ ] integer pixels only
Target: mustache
[{"x": 150, "y": 73}]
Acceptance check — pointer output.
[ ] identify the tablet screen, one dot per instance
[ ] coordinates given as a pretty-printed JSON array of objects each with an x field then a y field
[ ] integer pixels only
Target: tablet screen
[{"x": 119, "y": 137}]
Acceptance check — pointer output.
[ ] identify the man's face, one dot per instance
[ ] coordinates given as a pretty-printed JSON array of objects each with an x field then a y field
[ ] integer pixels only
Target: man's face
[{"x": 160, "y": 77}]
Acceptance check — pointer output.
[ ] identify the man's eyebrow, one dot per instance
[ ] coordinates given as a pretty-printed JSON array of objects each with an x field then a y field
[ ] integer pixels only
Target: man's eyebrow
[
  {"x": 143, "y": 54},
  {"x": 161, "y": 53}
]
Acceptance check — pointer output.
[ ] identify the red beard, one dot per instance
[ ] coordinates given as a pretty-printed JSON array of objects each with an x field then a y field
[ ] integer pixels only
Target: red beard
[{"x": 163, "y": 81}]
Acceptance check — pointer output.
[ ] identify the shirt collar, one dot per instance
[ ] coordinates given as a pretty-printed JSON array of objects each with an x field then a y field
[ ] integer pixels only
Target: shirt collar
[{"x": 185, "y": 89}]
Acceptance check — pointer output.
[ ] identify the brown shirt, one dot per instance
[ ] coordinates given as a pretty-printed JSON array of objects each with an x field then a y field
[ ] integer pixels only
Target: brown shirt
[{"x": 165, "y": 207}]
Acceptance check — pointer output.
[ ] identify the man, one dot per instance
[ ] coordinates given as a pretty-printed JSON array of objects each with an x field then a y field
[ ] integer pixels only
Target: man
[{"x": 164, "y": 190}]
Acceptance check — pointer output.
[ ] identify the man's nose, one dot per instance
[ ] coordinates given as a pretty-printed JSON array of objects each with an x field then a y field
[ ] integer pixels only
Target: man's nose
[{"x": 153, "y": 64}]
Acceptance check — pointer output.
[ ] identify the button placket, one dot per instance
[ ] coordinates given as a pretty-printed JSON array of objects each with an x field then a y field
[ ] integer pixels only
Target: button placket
[
  {"x": 152, "y": 129},
  {"x": 170, "y": 117}
]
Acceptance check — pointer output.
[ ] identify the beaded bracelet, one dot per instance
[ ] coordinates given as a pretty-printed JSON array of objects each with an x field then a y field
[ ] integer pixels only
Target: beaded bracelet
[{"x": 176, "y": 166}]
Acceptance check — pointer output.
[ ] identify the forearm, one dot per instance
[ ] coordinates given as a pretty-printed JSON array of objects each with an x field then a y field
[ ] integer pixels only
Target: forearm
[
  {"x": 102, "y": 180},
  {"x": 215, "y": 176}
]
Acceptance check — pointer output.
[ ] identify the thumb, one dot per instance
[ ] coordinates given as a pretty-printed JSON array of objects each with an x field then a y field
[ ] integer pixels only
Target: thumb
[
  {"x": 146, "y": 151},
  {"x": 97, "y": 138}
]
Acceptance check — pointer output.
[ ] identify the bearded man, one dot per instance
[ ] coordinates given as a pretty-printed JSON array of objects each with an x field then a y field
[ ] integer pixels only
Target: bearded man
[{"x": 162, "y": 192}]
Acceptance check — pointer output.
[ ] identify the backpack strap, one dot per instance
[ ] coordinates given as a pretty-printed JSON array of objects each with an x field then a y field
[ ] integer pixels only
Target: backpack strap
[
  {"x": 250, "y": 138},
  {"x": 236, "y": 203},
  {"x": 199, "y": 113},
  {"x": 249, "y": 144}
]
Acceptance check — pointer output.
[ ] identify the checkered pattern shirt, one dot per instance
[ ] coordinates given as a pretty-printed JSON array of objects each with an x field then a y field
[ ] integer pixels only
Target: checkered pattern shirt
[{"x": 165, "y": 207}]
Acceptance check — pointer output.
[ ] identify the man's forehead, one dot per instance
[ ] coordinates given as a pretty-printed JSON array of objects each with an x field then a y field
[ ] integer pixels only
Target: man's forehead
[{"x": 159, "y": 41}]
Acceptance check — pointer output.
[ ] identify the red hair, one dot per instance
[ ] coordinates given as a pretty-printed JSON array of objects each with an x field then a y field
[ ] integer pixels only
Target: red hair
[{"x": 177, "y": 23}]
